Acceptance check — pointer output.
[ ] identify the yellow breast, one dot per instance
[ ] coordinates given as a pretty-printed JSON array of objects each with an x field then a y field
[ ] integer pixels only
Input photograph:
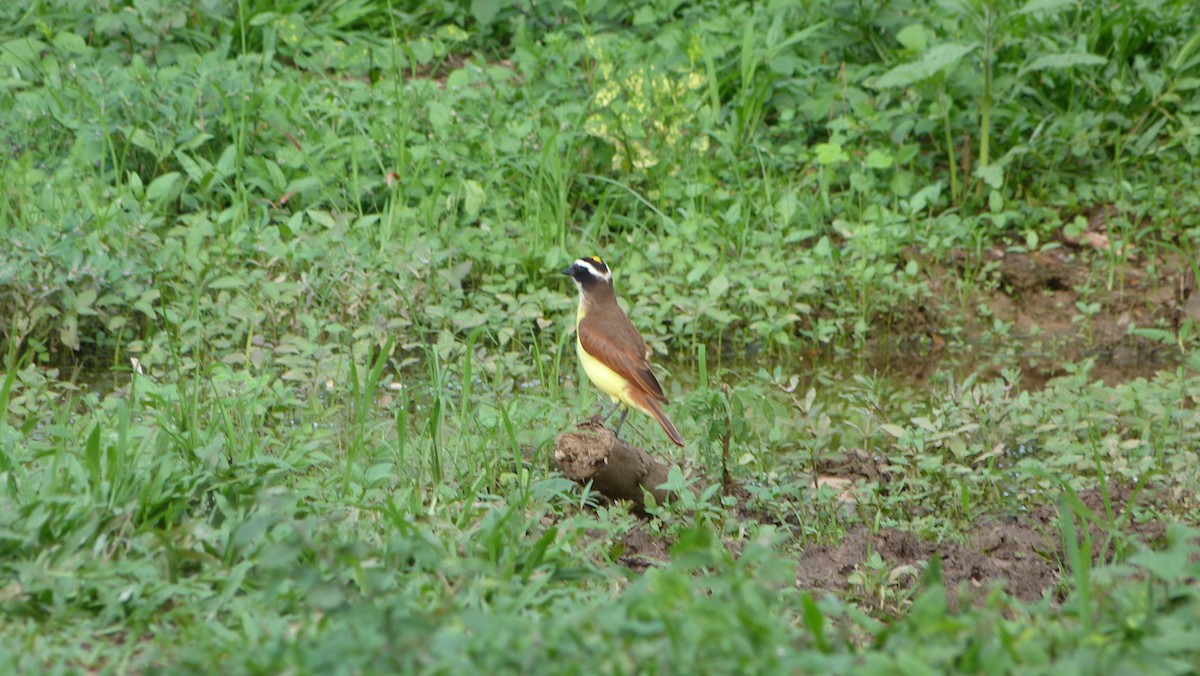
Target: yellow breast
[{"x": 608, "y": 380}]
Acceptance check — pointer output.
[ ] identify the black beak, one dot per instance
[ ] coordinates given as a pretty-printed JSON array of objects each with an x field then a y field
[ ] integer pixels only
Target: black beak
[{"x": 569, "y": 270}]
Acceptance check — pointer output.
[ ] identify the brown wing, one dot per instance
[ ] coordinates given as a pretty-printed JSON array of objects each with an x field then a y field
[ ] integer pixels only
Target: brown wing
[{"x": 610, "y": 337}]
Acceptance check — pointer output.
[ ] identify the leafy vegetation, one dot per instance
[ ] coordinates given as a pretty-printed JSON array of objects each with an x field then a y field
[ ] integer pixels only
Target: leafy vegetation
[{"x": 285, "y": 353}]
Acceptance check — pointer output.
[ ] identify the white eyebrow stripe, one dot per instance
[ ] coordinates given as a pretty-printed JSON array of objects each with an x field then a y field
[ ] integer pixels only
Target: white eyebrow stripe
[{"x": 591, "y": 265}]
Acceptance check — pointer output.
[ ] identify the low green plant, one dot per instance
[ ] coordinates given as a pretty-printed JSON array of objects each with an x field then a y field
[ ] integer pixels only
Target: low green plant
[{"x": 284, "y": 343}]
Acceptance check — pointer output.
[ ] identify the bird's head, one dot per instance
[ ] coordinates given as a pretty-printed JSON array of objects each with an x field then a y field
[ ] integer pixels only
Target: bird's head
[{"x": 589, "y": 271}]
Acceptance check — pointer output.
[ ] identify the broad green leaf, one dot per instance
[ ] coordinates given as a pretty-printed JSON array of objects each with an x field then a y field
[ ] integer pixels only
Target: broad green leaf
[
  {"x": 1046, "y": 6},
  {"x": 146, "y": 142},
  {"x": 197, "y": 141},
  {"x": 228, "y": 282},
  {"x": 303, "y": 185},
  {"x": 485, "y": 11},
  {"x": 68, "y": 41},
  {"x": 991, "y": 174},
  {"x": 452, "y": 33},
  {"x": 733, "y": 214},
  {"x": 322, "y": 218},
  {"x": 473, "y": 198},
  {"x": 878, "y": 159},
  {"x": 263, "y": 19},
  {"x": 134, "y": 181},
  {"x": 914, "y": 37},
  {"x": 278, "y": 180},
  {"x": 995, "y": 201},
  {"x": 936, "y": 60},
  {"x": 924, "y": 197},
  {"x": 468, "y": 319},
  {"x": 440, "y": 114},
  {"x": 823, "y": 248},
  {"x": 22, "y": 52},
  {"x": 1185, "y": 84},
  {"x": 718, "y": 286},
  {"x": 831, "y": 153},
  {"x": 227, "y": 163},
  {"x": 786, "y": 207},
  {"x": 1070, "y": 60},
  {"x": 192, "y": 166},
  {"x": 901, "y": 183},
  {"x": 458, "y": 78},
  {"x": 422, "y": 50},
  {"x": 68, "y": 331},
  {"x": 165, "y": 188},
  {"x": 84, "y": 301}
]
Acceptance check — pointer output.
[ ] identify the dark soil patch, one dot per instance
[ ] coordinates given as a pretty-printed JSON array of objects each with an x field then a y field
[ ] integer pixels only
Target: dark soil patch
[
  {"x": 1022, "y": 554},
  {"x": 643, "y": 550},
  {"x": 1039, "y": 295},
  {"x": 1010, "y": 554}
]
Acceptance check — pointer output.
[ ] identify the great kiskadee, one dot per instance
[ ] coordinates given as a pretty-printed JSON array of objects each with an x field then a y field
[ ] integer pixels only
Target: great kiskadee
[{"x": 613, "y": 354}]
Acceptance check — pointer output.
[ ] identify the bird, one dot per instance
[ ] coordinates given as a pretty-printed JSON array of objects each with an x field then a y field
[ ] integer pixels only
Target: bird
[{"x": 613, "y": 353}]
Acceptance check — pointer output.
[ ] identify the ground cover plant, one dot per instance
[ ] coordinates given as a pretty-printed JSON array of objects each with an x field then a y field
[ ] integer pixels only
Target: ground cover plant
[{"x": 285, "y": 352}]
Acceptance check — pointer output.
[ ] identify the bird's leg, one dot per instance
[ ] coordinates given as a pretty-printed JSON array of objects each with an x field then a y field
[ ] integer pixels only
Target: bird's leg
[
  {"x": 610, "y": 412},
  {"x": 624, "y": 412}
]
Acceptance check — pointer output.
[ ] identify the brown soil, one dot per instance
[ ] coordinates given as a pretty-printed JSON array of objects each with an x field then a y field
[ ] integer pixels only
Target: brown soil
[
  {"x": 1038, "y": 296},
  {"x": 1024, "y": 555},
  {"x": 642, "y": 550}
]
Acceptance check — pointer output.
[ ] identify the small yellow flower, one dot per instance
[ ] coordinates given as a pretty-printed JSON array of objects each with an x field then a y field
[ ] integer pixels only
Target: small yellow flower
[
  {"x": 606, "y": 94},
  {"x": 594, "y": 126},
  {"x": 455, "y": 33},
  {"x": 634, "y": 83},
  {"x": 672, "y": 135},
  {"x": 661, "y": 86},
  {"x": 642, "y": 159},
  {"x": 695, "y": 51}
]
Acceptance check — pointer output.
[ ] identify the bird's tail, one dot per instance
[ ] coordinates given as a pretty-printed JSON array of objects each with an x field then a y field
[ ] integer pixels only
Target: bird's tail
[{"x": 649, "y": 405}]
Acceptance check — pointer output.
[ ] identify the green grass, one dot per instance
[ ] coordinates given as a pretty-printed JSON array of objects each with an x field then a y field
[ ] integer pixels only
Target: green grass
[{"x": 286, "y": 354}]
